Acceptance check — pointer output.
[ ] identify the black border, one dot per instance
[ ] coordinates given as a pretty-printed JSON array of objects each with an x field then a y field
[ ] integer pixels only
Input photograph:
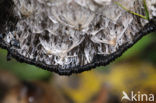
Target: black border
[{"x": 98, "y": 60}]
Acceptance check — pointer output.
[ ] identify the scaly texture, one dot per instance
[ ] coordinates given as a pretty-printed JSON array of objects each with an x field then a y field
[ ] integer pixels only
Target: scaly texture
[{"x": 70, "y": 33}]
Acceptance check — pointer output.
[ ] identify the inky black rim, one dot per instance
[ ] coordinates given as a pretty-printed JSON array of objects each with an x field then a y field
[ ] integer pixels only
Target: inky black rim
[{"x": 98, "y": 60}]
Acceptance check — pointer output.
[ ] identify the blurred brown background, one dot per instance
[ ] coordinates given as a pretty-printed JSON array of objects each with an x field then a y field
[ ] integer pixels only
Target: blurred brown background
[{"x": 134, "y": 71}]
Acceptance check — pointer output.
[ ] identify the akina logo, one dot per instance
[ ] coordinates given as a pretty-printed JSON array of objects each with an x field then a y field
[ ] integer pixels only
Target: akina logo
[{"x": 141, "y": 97}]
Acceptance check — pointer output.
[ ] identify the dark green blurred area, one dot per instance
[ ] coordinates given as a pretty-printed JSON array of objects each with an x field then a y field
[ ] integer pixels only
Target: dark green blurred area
[
  {"x": 22, "y": 70},
  {"x": 134, "y": 71},
  {"x": 144, "y": 49}
]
